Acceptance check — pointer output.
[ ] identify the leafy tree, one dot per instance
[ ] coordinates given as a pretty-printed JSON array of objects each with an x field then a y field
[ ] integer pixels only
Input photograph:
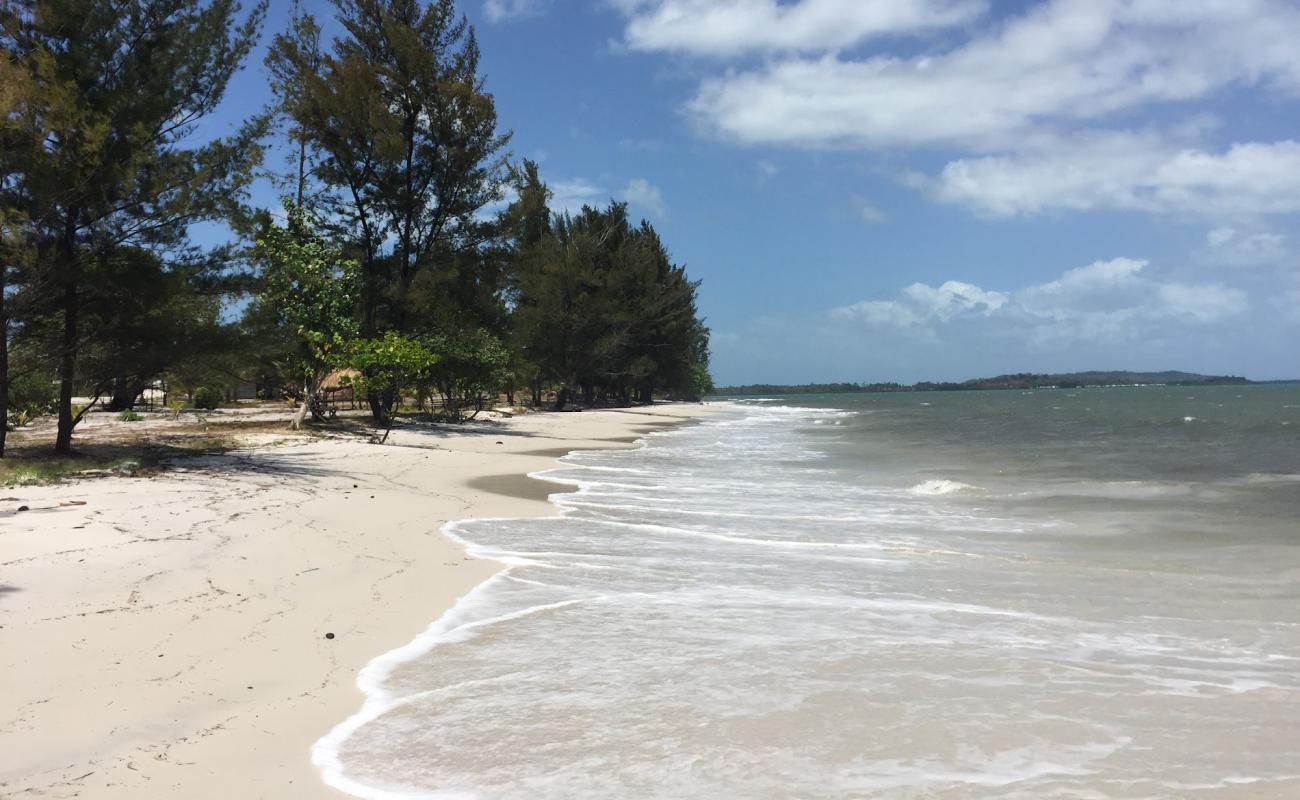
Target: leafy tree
[
  {"x": 391, "y": 366},
  {"x": 404, "y": 141},
  {"x": 471, "y": 363},
  {"x": 103, "y": 156},
  {"x": 311, "y": 289}
]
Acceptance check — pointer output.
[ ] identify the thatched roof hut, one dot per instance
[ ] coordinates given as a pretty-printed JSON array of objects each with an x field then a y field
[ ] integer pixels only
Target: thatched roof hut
[{"x": 340, "y": 380}]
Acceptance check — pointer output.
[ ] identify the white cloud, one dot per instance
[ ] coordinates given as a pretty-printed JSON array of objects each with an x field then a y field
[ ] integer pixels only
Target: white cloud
[
  {"x": 1106, "y": 301},
  {"x": 1064, "y": 61},
  {"x": 1233, "y": 247},
  {"x": 642, "y": 194},
  {"x": 1142, "y": 172},
  {"x": 880, "y": 312},
  {"x": 501, "y": 10},
  {"x": 1027, "y": 100},
  {"x": 572, "y": 194},
  {"x": 953, "y": 298},
  {"x": 869, "y": 213},
  {"x": 1220, "y": 236},
  {"x": 1204, "y": 303},
  {"x": 732, "y": 27}
]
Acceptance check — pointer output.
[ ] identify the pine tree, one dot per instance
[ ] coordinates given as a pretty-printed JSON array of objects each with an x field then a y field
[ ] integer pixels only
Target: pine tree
[
  {"x": 404, "y": 140},
  {"x": 104, "y": 158}
]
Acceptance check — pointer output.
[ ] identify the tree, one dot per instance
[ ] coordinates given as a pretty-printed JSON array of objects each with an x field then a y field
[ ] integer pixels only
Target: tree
[
  {"x": 147, "y": 316},
  {"x": 302, "y": 38},
  {"x": 405, "y": 145},
  {"x": 391, "y": 365},
  {"x": 103, "y": 157},
  {"x": 600, "y": 307},
  {"x": 471, "y": 363},
  {"x": 311, "y": 289},
  {"x": 13, "y": 87}
]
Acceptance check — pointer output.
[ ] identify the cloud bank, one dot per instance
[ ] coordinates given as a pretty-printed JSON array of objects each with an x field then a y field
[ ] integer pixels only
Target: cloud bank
[
  {"x": 1111, "y": 314},
  {"x": 1038, "y": 107}
]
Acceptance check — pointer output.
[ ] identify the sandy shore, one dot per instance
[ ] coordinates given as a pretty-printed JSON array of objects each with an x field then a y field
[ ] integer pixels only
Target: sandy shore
[{"x": 168, "y": 637}]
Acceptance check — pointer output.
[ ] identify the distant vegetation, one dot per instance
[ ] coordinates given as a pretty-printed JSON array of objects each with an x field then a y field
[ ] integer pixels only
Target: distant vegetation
[
  {"x": 1021, "y": 380},
  {"x": 412, "y": 255}
]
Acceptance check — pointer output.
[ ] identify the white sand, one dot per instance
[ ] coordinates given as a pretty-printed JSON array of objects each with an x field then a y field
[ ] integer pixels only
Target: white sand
[{"x": 167, "y": 639}]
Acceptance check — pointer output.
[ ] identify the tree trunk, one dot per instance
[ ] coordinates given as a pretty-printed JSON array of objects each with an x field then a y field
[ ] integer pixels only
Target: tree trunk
[
  {"x": 537, "y": 392},
  {"x": 589, "y": 394},
  {"x": 67, "y": 368},
  {"x": 562, "y": 398},
  {"x": 125, "y": 393},
  {"x": 300, "y": 415},
  {"x": 4, "y": 361}
]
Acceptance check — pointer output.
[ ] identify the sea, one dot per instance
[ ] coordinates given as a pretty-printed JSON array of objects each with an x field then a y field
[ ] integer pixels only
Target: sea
[{"x": 1059, "y": 593}]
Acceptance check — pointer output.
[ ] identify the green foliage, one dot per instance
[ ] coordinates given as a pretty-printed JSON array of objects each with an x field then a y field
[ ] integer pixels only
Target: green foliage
[
  {"x": 310, "y": 289},
  {"x": 207, "y": 397},
  {"x": 31, "y": 394},
  {"x": 403, "y": 139},
  {"x": 600, "y": 307},
  {"x": 472, "y": 363},
  {"x": 1020, "y": 381},
  {"x": 102, "y": 154},
  {"x": 129, "y": 416},
  {"x": 385, "y": 263},
  {"x": 701, "y": 380},
  {"x": 391, "y": 365},
  {"x": 149, "y": 316}
]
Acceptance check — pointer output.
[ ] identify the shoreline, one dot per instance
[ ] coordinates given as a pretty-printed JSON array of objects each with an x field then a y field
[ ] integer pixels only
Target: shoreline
[{"x": 167, "y": 635}]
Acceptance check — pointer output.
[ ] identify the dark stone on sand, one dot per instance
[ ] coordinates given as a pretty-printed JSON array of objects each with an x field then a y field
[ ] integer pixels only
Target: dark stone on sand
[
  {"x": 327, "y": 636},
  {"x": 23, "y": 508}
]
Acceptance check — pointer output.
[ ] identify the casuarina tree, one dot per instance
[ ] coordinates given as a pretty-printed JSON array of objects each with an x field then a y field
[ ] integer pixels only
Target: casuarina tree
[{"x": 107, "y": 155}]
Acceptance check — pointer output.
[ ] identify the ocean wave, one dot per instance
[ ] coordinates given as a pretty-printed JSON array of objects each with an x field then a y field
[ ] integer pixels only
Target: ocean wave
[{"x": 935, "y": 488}]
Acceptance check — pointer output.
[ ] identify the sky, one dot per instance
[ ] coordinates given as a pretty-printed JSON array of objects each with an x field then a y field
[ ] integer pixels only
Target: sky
[{"x": 903, "y": 190}]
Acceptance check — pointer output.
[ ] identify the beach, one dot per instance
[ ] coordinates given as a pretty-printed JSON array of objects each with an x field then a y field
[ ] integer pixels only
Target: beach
[
  {"x": 950, "y": 595},
  {"x": 192, "y": 633}
]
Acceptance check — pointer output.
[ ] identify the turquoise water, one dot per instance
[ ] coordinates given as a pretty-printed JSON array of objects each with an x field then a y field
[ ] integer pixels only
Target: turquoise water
[{"x": 1069, "y": 594}]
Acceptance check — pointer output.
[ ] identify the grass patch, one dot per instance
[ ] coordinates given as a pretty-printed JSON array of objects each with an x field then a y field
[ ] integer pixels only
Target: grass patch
[
  {"x": 28, "y": 469},
  {"x": 29, "y": 466}
]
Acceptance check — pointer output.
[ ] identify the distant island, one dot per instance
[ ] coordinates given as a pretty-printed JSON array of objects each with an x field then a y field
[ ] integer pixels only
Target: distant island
[{"x": 1019, "y": 380}]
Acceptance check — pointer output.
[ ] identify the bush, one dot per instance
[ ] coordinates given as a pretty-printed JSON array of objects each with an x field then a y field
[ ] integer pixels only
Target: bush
[
  {"x": 129, "y": 416},
  {"x": 30, "y": 396},
  {"x": 207, "y": 397}
]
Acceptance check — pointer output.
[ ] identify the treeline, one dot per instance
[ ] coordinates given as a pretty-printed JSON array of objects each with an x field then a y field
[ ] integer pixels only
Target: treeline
[
  {"x": 1021, "y": 380},
  {"x": 410, "y": 253}
]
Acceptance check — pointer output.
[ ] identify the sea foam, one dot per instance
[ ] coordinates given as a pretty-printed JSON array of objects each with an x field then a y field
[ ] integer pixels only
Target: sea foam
[{"x": 740, "y": 609}]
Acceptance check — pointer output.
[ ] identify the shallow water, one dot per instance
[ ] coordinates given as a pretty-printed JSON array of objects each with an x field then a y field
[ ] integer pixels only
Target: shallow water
[{"x": 1081, "y": 594}]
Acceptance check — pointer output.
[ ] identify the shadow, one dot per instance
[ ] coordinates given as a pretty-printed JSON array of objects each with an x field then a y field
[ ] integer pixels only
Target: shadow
[{"x": 520, "y": 487}]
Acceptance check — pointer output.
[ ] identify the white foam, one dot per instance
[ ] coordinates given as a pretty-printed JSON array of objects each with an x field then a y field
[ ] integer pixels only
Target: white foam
[
  {"x": 934, "y": 488},
  {"x": 680, "y": 603}
]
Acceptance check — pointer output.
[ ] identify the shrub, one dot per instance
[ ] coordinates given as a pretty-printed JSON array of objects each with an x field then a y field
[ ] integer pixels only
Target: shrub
[
  {"x": 129, "y": 416},
  {"x": 207, "y": 397},
  {"x": 30, "y": 396}
]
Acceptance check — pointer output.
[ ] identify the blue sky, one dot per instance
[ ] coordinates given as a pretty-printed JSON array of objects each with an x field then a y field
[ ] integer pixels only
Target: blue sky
[{"x": 929, "y": 189}]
